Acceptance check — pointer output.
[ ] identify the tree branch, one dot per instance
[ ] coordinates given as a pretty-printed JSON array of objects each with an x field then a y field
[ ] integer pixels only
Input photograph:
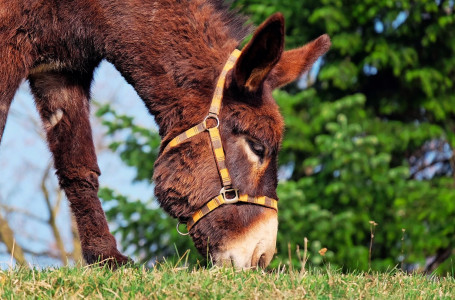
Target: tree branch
[
  {"x": 52, "y": 215},
  {"x": 42, "y": 254},
  {"x": 10, "y": 209},
  {"x": 7, "y": 237},
  {"x": 425, "y": 166},
  {"x": 452, "y": 164},
  {"x": 439, "y": 258},
  {"x": 77, "y": 249}
]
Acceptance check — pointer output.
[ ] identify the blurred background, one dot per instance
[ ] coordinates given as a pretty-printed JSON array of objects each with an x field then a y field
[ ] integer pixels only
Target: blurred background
[{"x": 366, "y": 167}]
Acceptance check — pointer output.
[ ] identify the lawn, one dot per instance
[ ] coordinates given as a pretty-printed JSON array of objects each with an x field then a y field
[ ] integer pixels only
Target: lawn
[{"x": 166, "y": 281}]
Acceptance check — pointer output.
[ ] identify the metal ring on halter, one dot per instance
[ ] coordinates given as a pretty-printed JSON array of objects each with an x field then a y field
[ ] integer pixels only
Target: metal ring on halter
[
  {"x": 211, "y": 116},
  {"x": 227, "y": 200},
  {"x": 181, "y": 233}
]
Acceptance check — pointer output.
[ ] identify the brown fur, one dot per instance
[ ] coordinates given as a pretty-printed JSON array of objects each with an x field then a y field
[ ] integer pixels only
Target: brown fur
[{"x": 172, "y": 53}]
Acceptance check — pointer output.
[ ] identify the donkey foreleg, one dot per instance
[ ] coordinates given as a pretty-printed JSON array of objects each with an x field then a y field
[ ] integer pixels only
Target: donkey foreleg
[
  {"x": 12, "y": 71},
  {"x": 5, "y": 103},
  {"x": 63, "y": 103}
]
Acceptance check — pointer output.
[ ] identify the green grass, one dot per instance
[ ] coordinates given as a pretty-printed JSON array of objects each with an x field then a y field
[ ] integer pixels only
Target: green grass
[{"x": 167, "y": 281}]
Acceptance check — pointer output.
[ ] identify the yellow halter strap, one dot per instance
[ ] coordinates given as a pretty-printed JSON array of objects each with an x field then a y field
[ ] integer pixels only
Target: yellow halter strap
[{"x": 218, "y": 152}]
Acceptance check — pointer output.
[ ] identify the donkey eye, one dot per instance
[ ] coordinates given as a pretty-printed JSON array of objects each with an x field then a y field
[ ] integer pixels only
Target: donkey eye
[{"x": 257, "y": 148}]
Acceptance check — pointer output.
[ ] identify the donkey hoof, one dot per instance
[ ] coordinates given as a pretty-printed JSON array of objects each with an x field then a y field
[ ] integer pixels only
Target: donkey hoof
[
  {"x": 116, "y": 260},
  {"x": 112, "y": 260}
]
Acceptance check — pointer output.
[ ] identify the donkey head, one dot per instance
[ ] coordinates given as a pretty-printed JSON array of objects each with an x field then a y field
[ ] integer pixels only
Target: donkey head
[{"x": 251, "y": 129}]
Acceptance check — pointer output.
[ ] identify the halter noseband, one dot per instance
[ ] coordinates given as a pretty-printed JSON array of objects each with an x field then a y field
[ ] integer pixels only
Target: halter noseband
[{"x": 218, "y": 152}]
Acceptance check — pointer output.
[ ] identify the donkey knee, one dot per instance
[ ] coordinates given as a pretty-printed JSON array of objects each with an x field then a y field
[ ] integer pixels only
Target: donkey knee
[{"x": 79, "y": 178}]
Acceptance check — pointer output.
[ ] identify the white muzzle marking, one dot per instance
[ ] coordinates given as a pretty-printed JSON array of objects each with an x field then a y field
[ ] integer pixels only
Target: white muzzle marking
[{"x": 255, "y": 247}]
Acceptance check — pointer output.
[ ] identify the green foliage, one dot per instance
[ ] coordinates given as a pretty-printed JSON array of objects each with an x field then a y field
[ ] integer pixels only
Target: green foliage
[
  {"x": 136, "y": 145},
  {"x": 383, "y": 90},
  {"x": 426, "y": 211},
  {"x": 144, "y": 229},
  {"x": 346, "y": 178}
]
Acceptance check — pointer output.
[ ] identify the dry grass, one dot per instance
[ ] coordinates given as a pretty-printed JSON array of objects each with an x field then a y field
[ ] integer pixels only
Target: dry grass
[{"x": 169, "y": 282}]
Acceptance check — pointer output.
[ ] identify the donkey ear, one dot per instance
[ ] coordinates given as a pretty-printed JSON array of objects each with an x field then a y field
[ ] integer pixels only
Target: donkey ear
[
  {"x": 295, "y": 62},
  {"x": 260, "y": 55}
]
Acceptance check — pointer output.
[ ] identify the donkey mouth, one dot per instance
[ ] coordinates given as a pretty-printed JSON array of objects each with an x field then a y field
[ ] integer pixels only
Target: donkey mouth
[{"x": 254, "y": 248}]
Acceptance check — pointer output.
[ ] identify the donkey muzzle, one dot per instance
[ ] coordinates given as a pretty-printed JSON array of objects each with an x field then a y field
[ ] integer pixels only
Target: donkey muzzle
[{"x": 253, "y": 248}]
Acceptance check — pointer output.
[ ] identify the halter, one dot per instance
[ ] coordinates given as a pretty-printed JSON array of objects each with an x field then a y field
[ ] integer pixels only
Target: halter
[{"x": 218, "y": 151}]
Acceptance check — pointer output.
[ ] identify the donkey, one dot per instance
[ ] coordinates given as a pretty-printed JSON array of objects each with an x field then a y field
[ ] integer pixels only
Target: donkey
[{"x": 179, "y": 56}]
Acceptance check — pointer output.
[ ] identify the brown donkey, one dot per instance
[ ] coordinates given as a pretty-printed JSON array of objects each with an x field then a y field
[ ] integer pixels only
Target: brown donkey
[{"x": 180, "y": 58}]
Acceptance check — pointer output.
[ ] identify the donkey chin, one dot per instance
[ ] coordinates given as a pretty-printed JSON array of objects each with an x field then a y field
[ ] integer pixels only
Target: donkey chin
[{"x": 253, "y": 248}]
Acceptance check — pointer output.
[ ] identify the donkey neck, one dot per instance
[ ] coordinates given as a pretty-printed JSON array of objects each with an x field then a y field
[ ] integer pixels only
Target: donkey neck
[{"x": 172, "y": 52}]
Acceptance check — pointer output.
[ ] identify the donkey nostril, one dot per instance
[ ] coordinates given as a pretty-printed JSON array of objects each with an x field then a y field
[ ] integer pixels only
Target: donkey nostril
[
  {"x": 262, "y": 261},
  {"x": 259, "y": 260}
]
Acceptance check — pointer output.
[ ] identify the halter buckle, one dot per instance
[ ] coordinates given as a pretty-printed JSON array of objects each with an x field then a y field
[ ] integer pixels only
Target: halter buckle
[
  {"x": 227, "y": 200},
  {"x": 211, "y": 116}
]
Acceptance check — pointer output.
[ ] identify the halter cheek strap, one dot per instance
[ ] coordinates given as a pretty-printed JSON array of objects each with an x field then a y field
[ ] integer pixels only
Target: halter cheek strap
[{"x": 228, "y": 194}]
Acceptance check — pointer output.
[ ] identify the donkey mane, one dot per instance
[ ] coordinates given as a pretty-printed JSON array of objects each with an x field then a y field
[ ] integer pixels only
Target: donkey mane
[
  {"x": 232, "y": 18},
  {"x": 190, "y": 47}
]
